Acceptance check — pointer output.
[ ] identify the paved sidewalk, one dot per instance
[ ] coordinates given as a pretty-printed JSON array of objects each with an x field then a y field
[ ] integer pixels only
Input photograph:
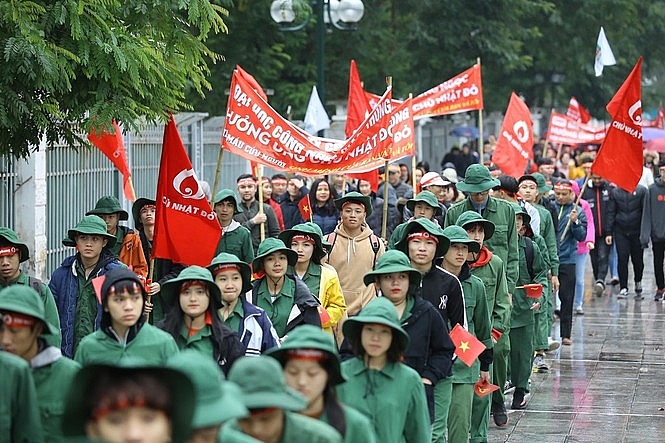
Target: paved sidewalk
[{"x": 609, "y": 386}]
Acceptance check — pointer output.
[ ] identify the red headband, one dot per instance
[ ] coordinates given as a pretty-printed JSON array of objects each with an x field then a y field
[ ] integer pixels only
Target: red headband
[
  {"x": 306, "y": 354},
  {"x": 225, "y": 267},
  {"x": 8, "y": 251},
  {"x": 422, "y": 235},
  {"x": 353, "y": 203},
  {"x": 246, "y": 182},
  {"x": 303, "y": 237},
  {"x": 188, "y": 284},
  {"x": 564, "y": 186},
  {"x": 121, "y": 403},
  {"x": 16, "y": 320}
]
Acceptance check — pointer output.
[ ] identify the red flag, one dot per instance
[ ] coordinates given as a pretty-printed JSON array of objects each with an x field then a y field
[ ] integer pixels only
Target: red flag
[
  {"x": 358, "y": 104},
  {"x": 252, "y": 82},
  {"x": 577, "y": 112},
  {"x": 113, "y": 148},
  {"x": 305, "y": 207},
  {"x": 372, "y": 177},
  {"x": 467, "y": 347},
  {"x": 514, "y": 146},
  {"x": 483, "y": 388},
  {"x": 619, "y": 158},
  {"x": 186, "y": 228}
]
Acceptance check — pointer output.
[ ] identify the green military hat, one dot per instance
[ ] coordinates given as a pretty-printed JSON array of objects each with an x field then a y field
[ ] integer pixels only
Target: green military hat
[
  {"x": 539, "y": 180},
  {"x": 109, "y": 205},
  {"x": 457, "y": 234},
  {"x": 381, "y": 311},
  {"x": 269, "y": 246},
  {"x": 304, "y": 339},
  {"x": 426, "y": 197},
  {"x": 9, "y": 239},
  {"x": 472, "y": 217},
  {"x": 309, "y": 229},
  {"x": 425, "y": 226},
  {"x": 355, "y": 197},
  {"x": 224, "y": 260},
  {"x": 477, "y": 179},
  {"x": 90, "y": 225},
  {"x": 215, "y": 403},
  {"x": 262, "y": 383},
  {"x": 171, "y": 288},
  {"x": 519, "y": 210},
  {"x": 79, "y": 409},
  {"x": 228, "y": 194},
  {"x": 22, "y": 299},
  {"x": 390, "y": 262},
  {"x": 136, "y": 209}
]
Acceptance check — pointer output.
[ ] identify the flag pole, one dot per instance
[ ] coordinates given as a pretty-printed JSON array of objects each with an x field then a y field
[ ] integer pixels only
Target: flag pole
[
  {"x": 260, "y": 184},
  {"x": 148, "y": 282},
  {"x": 413, "y": 163},
  {"x": 384, "y": 224},
  {"x": 481, "y": 138},
  {"x": 577, "y": 202},
  {"x": 218, "y": 170}
]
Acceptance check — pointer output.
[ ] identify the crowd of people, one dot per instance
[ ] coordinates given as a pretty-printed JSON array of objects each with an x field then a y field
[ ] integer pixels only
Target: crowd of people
[{"x": 323, "y": 328}]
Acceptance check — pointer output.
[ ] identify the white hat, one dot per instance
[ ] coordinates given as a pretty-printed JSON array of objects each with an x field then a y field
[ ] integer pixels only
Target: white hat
[
  {"x": 432, "y": 179},
  {"x": 450, "y": 174}
]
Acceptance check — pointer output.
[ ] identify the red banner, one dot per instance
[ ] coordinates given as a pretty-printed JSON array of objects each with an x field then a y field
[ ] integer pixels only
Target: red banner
[
  {"x": 619, "y": 158},
  {"x": 113, "y": 148},
  {"x": 563, "y": 129},
  {"x": 514, "y": 146},
  {"x": 186, "y": 228},
  {"x": 577, "y": 112},
  {"x": 256, "y": 132},
  {"x": 462, "y": 93},
  {"x": 358, "y": 105}
]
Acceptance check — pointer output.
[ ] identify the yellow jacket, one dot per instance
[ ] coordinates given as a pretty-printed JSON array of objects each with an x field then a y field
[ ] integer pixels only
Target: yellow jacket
[{"x": 331, "y": 297}]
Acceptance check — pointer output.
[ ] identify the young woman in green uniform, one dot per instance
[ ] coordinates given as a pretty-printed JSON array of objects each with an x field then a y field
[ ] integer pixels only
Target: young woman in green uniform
[{"x": 312, "y": 367}]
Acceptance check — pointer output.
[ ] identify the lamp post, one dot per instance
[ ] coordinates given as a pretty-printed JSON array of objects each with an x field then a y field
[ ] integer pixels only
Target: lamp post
[{"x": 294, "y": 15}]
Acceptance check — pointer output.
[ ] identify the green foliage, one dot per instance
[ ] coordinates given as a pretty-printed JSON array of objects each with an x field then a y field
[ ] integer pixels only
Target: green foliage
[{"x": 75, "y": 64}]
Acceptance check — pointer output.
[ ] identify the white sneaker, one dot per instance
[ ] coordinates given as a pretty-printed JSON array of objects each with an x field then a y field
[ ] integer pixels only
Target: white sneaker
[
  {"x": 579, "y": 310},
  {"x": 623, "y": 294},
  {"x": 552, "y": 345}
]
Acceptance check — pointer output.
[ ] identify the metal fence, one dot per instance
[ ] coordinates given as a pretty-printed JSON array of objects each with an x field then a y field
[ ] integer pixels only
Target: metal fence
[{"x": 7, "y": 188}]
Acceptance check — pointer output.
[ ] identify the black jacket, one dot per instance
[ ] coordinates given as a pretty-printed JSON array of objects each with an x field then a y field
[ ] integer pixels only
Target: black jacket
[
  {"x": 600, "y": 202},
  {"x": 444, "y": 291},
  {"x": 625, "y": 215}
]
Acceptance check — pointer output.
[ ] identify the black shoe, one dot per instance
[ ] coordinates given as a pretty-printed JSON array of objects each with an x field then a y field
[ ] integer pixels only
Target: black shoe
[
  {"x": 500, "y": 414},
  {"x": 519, "y": 402}
]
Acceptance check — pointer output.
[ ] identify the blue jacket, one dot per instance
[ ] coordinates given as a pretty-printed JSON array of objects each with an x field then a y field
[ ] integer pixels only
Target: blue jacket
[
  {"x": 290, "y": 209},
  {"x": 65, "y": 288},
  {"x": 325, "y": 218},
  {"x": 256, "y": 332},
  {"x": 576, "y": 233}
]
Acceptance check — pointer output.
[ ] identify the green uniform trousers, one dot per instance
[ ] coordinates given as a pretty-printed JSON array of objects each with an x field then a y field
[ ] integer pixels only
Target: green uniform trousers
[
  {"x": 521, "y": 355},
  {"x": 442, "y": 397},
  {"x": 459, "y": 415},
  {"x": 543, "y": 316}
]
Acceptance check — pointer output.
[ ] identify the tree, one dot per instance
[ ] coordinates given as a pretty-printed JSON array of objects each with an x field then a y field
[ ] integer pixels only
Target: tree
[{"x": 68, "y": 66}]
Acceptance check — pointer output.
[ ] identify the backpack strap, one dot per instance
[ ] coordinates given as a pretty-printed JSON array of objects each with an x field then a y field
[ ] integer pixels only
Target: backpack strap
[
  {"x": 35, "y": 284},
  {"x": 374, "y": 240},
  {"x": 529, "y": 253}
]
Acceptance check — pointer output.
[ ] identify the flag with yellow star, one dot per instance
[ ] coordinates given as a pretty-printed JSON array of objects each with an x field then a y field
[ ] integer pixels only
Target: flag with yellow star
[{"x": 467, "y": 347}]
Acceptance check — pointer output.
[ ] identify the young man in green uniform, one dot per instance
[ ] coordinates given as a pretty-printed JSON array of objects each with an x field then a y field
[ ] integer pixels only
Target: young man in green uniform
[
  {"x": 13, "y": 252},
  {"x": 423, "y": 205},
  {"x": 272, "y": 405},
  {"x": 124, "y": 332},
  {"x": 479, "y": 324},
  {"x": 23, "y": 332},
  {"x": 17, "y": 394},
  {"x": 477, "y": 184},
  {"x": 236, "y": 239},
  {"x": 491, "y": 270}
]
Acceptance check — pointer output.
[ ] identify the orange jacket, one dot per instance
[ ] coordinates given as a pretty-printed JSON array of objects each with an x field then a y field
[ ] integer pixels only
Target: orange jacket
[{"x": 131, "y": 254}]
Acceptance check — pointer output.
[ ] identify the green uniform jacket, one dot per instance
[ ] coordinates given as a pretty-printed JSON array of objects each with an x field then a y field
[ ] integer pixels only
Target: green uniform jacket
[
  {"x": 19, "y": 413},
  {"x": 229, "y": 435},
  {"x": 50, "y": 309},
  {"x": 358, "y": 427},
  {"x": 53, "y": 375},
  {"x": 548, "y": 233},
  {"x": 301, "y": 429},
  {"x": 504, "y": 241},
  {"x": 236, "y": 240},
  {"x": 151, "y": 344},
  {"x": 479, "y": 324},
  {"x": 522, "y": 313},
  {"x": 493, "y": 275},
  {"x": 397, "y": 235},
  {"x": 392, "y": 398}
]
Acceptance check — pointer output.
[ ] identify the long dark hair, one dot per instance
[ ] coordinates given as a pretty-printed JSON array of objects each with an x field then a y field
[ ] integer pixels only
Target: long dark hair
[
  {"x": 329, "y": 207},
  {"x": 175, "y": 320},
  {"x": 393, "y": 355}
]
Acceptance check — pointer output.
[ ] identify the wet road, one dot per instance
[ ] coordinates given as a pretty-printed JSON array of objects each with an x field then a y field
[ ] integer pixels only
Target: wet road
[{"x": 609, "y": 385}]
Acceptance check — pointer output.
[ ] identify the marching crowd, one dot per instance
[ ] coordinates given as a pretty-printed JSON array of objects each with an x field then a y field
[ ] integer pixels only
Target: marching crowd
[{"x": 323, "y": 328}]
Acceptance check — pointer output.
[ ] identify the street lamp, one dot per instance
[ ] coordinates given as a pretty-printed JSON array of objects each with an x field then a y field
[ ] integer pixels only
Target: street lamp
[{"x": 294, "y": 15}]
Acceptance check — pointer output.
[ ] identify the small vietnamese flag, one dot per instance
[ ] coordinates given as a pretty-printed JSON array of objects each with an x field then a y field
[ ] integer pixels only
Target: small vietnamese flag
[
  {"x": 305, "y": 208},
  {"x": 483, "y": 388},
  {"x": 467, "y": 347}
]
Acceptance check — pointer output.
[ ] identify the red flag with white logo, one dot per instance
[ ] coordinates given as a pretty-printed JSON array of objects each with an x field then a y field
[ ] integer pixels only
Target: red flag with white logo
[
  {"x": 514, "y": 146},
  {"x": 186, "y": 228},
  {"x": 619, "y": 158},
  {"x": 113, "y": 148}
]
